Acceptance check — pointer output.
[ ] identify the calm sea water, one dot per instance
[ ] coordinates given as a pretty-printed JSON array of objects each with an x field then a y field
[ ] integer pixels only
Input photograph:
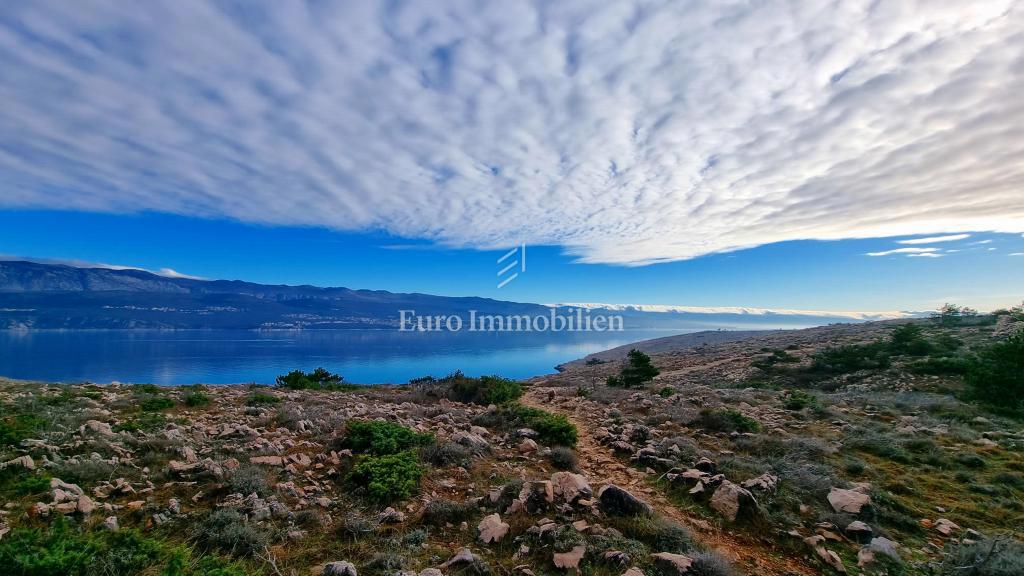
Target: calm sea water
[{"x": 229, "y": 356}]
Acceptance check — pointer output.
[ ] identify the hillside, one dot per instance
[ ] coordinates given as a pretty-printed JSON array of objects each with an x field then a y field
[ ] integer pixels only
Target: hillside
[{"x": 833, "y": 449}]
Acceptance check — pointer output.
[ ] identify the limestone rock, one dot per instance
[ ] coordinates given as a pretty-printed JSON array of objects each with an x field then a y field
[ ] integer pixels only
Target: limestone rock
[
  {"x": 492, "y": 529},
  {"x": 732, "y": 501},
  {"x": 569, "y": 560},
  {"x": 850, "y": 501},
  {"x": 669, "y": 563},
  {"x": 570, "y": 487}
]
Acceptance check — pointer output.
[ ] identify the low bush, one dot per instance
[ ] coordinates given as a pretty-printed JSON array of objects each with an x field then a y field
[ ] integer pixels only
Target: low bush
[
  {"x": 852, "y": 358},
  {"x": 996, "y": 556},
  {"x": 909, "y": 340},
  {"x": 440, "y": 511},
  {"x": 380, "y": 437},
  {"x": 725, "y": 421},
  {"x": 145, "y": 422},
  {"x": 250, "y": 479},
  {"x": 228, "y": 530},
  {"x": 446, "y": 454},
  {"x": 552, "y": 429},
  {"x": 18, "y": 426},
  {"x": 796, "y": 400},
  {"x": 389, "y": 477},
  {"x": 667, "y": 392},
  {"x": 940, "y": 366},
  {"x": 156, "y": 404},
  {"x": 563, "y": 458},
  {"x": 262, "y": 399},
  {"x": 318, "y": 379},
  {"x": 195, "y": 399},
  {"x": 711, "y": 564},
  {"x": 483, "y": 390}
]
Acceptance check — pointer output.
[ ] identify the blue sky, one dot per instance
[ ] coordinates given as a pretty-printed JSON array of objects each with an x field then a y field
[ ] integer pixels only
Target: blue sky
[
  {"x": 661, "y": 152},
  {"x": 816, "y": 275}
]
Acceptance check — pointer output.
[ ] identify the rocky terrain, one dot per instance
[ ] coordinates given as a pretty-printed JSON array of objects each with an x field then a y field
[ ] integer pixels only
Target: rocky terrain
[{"x": 770, "y": 455}]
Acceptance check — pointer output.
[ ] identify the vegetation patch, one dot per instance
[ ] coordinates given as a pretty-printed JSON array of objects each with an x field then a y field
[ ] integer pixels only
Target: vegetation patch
[
  {"x": 725, "y": 421},
  {"x": 318, "y": 379},
  {"x": 380, "y": 437},
  {"x": 636, "y": 372},
  {"x": 389, "y": 477}
]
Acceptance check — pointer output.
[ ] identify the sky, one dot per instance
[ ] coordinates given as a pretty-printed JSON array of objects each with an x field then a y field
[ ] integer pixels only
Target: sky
[{"x": 845, "y": 155}]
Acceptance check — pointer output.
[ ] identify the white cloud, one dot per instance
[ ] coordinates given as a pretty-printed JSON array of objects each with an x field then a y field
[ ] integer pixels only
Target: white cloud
[
  {"x": 1017, "y": 254},
  {"x": 903, "y": 251},
  {"x": 854, "y": 315},
  {"x": 934, "y": 239},
  {"x": 979, "y": 242},
  {"x": 624, "y": 133},
  {"x": 925, "y": 255},
  {"x": 168, "y": 272}
]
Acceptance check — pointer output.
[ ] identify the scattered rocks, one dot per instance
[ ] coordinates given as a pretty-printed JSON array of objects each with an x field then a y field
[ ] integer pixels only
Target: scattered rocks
[
  {"x": 570, "y": 487},
  {"x": 859, "y": 532}
]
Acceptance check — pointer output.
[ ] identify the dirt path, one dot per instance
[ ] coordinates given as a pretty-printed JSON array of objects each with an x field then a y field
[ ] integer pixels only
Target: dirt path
[{"x": 600, "y": 466}]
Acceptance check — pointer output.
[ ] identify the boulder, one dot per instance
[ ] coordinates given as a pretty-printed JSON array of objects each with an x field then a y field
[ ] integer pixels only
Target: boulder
[
  {"x": 946, "y": 527},
  {"x": 492, "y": 529},
  {"x": 339, "y": 569},
  {"x": 634, "y": 571},
  {"x": 527, "y": 446},
  {"x": 669, "y": 563},
  {"x": 850, "y": 501},
  {"x": 570, "y": 487},
  {"x": 463, "y": 558},
  {"x": 536, "y": 497},
  {"x": 732, "y": 501},
  {"x": 25, "y": 462},
  {"x": 615, "y": 501},
  {"x": 472, "y": 441},
  {"x": 884, "y": 546}
]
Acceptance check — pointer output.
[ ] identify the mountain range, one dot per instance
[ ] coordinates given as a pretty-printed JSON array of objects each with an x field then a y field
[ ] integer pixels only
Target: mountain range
[{"x": 58, "y": 296}]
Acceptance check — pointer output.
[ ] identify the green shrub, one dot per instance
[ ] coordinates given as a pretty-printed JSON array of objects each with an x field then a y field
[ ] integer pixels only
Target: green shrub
[
  {"x": 318, "y": 379},
  {"x": 389, "y": 477},
  {"x": 909, "y": 340},
  {"x": 638, "y": 369},
  {"x": 18, "y": 427},
  {"x": 996, "y": 376},
  {"x": 797, "y": 400},
  {"x": 145, "y": 388},
  {"x": 145, "y": 422},
  {"x": 195, "y": 399},
  {"x": 852, "y": 358},
  {"x": 59, "y": 549},
  {"x": 725, "y": 421},
  {"x": 156, "y": 404},
  {"x": 380, "y": 437},
  {"x": 250, "y": 479},
  {"x": 262, "y": 399},
  {"x": 667, "y": 392},
  {"x": 940, "y": 366},
  {"x": 33, "y": 485},
  {"x": 552, "y": 429},
  {"x": 484, "y": 390},
  {"x": 767, "y": 363}
]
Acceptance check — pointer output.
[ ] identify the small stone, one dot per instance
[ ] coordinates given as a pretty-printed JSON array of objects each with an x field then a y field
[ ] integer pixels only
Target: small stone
[
  {"x": 946, "y": 527},
  {"x": 111, "y": 524}
]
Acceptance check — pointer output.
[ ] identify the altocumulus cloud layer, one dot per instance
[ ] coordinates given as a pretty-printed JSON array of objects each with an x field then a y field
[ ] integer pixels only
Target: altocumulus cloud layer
[{"x": 626, "y": 132}]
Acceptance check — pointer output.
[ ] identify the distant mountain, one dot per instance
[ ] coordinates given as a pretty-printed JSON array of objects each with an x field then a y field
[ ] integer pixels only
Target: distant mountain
[
  {"x": 34, "y": 295},
  {"x": 38, "y": 295}
]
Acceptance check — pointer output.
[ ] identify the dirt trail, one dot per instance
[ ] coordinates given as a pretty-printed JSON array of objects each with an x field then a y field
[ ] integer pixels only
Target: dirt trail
[{"x": 600, "y": 466}]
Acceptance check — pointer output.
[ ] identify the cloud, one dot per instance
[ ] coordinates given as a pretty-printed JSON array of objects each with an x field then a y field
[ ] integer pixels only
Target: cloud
[
  {"x": 980, "y": 242},
  {"x": 625, "y": 133},
  {"x": 925, "y": 255},
  {"x": 903, "y": 251},
  {"x": 934, "y": 239},
  {"x": 1017, "y": 254}
]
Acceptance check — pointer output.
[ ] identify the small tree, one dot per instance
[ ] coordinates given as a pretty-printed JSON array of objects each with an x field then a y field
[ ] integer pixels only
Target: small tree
[
  {"x": 638, "y": 370},
  {"x": 952, "y": 315},
  {"x": 996, "y": 376}
]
